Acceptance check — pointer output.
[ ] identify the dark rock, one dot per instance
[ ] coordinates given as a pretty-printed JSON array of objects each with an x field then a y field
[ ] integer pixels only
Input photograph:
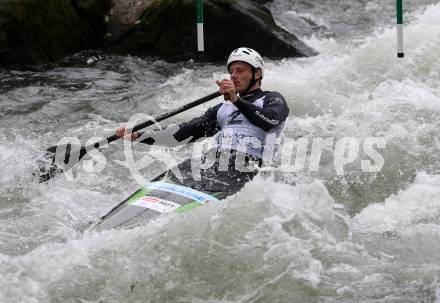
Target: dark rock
[
  {"x": 122, "y": 18},
  {"x": 33, "y": 32},
  {"x": 262, "y": 1},
  {"x": 83, "y": 58},
  {"x": 167, "y": 29}
]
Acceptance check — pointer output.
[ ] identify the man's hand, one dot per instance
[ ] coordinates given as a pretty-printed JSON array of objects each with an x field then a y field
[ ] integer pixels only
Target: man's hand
[
  {"x": 121, "y": 133},
  {"x": 227, "y": 89}
]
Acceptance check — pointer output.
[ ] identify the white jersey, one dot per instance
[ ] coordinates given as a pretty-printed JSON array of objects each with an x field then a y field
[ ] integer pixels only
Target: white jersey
[{"x": 238, "y": 133}]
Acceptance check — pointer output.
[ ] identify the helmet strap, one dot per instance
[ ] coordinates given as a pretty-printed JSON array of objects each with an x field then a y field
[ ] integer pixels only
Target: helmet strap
[{"x": 251, "y": 83}]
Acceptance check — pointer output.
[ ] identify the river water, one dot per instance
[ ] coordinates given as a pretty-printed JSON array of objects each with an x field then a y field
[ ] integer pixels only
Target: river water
[{"x": 329, "y": 235}]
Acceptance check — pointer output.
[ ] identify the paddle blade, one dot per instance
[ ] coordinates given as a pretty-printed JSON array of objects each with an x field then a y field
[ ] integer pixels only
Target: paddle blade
[{"x": 59, "y": 158}]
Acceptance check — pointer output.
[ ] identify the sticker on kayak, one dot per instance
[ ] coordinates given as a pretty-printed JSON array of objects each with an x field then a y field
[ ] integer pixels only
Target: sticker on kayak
[
  {"x": 157, "y": 204},
  {"x": 182, "y": 190}
]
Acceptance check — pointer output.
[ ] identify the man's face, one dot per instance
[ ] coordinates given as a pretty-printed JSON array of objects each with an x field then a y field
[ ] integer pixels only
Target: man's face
[{"x": 241, "y": 75}]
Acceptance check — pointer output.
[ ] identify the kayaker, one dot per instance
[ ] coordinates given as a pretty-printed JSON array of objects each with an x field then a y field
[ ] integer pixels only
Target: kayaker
[{"x": 243, "y": 123}]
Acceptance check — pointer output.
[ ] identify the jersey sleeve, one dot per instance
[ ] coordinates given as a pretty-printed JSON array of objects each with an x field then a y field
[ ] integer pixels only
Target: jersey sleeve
[
  {"x": 274, "y": 111},
  {"x": 200, "y": 127}
]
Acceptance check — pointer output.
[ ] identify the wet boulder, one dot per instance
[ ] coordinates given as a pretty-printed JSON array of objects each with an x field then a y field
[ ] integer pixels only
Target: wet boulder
[
  {"x": 33, "y": 32},
  {"x": 167, "y": 29}
]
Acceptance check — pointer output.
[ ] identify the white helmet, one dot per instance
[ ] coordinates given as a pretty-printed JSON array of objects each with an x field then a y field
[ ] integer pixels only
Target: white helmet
[{"x": 247, "y": 55}]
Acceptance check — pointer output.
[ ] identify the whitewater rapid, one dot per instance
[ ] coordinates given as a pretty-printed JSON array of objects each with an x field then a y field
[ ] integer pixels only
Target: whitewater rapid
[{"x": 356, "y": 237}]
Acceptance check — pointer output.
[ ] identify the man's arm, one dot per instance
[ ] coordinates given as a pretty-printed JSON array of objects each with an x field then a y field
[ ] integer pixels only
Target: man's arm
[
  {"x": 274, "y": 111},
  {"x": 203, "y": 126}
]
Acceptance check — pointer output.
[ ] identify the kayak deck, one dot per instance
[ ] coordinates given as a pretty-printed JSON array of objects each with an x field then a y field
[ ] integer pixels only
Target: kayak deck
[
  {"x": 153, "y": 199},
  {"x": 167, "y": 193}
]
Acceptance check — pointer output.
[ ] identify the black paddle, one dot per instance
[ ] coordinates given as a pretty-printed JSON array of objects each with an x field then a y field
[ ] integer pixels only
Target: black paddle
[{"x": 73, "y": 154}]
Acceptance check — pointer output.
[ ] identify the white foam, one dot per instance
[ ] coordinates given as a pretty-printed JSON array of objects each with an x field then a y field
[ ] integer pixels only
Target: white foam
[{"x": 419, "y": 203}]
